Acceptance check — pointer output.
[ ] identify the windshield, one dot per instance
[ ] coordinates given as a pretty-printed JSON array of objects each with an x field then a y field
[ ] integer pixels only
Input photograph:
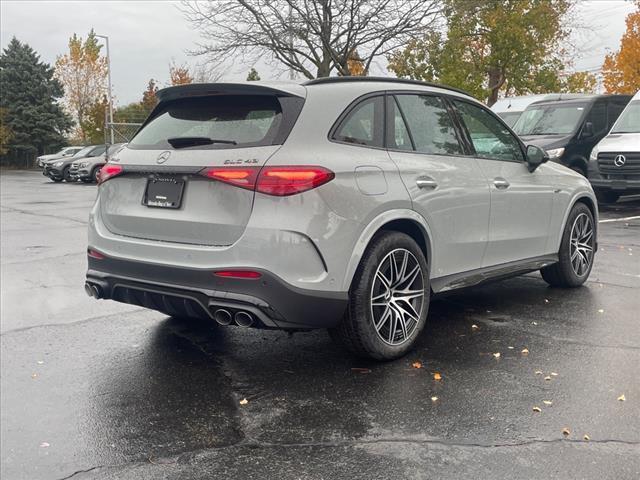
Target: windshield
[
  {"x": 550, "y": 119},
  {"x": 229, "y": 120},
  {"x": 84, "y": 152},
  {"x": 510, "y": 118},
  {"x": 629, "y": 121}
]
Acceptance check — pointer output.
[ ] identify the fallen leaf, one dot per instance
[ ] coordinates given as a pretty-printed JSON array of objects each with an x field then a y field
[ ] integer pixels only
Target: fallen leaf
[
  {"x": 437, "y": 376},
  {"x": 434, "y": 399},
  {"x": 34, "y": 375},
  {"x": 586, "y": 437},
  {"x": 40, "y": 362},
  {"x": 622, "y": 398},
  {"x": 44, "y": 445},
  {"x": 497, "y": 354},
  {"x": 566, "y": 432},
  {"x": 538, "y": 372},
  {"x": 537, "y": 409},
  {"x": 554, "y": 374},
  {"x": 474, "y": 326},
  {"x": 360, "y": 370},
  {"x": 547, "y": 378},
  {"x": 244, "y": 401},
  {"x": 547, "y": 402},
  {"x": 416, "y": 365},
  {"x": 510, "y": 348},
  {"x": 546, "y": 300},
  {"x": 601, "y": 310},
  {"x": 525, "y": 351},
  {"x": 534, "y": 323}
]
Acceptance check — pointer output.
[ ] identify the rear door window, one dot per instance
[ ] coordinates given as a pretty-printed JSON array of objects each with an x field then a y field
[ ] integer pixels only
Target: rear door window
[
  {"x": 491, "y": 139},
  {"x": 364, "y": 124},
  {"x": 233, "y": 120},
  {"x": 430, "y": 126}
]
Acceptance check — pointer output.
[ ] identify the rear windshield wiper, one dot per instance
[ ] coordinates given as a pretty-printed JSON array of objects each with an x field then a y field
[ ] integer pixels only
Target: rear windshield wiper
[{"x": 183, "y": 142}]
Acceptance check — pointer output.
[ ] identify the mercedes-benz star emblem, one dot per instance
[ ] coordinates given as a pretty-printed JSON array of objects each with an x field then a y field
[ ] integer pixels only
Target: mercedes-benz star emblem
[
  {"x": 620, "y": 160},
  {"x": 163, "y": 157}
]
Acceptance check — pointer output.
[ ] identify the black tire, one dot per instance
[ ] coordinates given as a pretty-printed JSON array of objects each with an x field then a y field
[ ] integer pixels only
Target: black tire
[
  {"x": 607, "y": 196},
  {"x": 94, "y": 174},
  {"x": 563, "y": 274},
  {"x": 56, "y": 179},
  {"x": 357, "y": 331},
  {"x": 66, "y": 174}
]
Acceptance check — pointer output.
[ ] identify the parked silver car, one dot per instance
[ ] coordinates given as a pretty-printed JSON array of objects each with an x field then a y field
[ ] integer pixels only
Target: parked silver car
[
  {"x": 88, "y": 168},
  {"x": 342, "y": 203},
  {"x": 65, "y": 152}
]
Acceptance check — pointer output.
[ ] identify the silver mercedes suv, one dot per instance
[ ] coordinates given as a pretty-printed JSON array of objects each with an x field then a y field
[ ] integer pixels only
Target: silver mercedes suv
[{"x": 342, "y": 203}]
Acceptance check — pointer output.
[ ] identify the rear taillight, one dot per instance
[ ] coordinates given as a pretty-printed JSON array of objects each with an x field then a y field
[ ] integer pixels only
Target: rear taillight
[
  {"x": 109, "y": 171},
  {"x": 279, "y": 181},
  {"x": 240, "y": 177}
]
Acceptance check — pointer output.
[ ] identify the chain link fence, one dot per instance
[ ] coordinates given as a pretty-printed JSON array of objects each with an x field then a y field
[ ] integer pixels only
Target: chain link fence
[{"x": 121, "y": 132}]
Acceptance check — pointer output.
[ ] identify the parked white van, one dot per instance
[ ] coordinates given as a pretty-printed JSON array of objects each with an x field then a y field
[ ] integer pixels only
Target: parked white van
[{"x": 614, "y": 163}]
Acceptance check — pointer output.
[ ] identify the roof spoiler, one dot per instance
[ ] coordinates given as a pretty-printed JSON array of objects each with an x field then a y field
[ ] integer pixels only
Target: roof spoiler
[{"x": 211, "y": 89}]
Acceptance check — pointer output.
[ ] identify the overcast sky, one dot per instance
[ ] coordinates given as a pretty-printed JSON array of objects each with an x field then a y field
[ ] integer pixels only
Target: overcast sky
[{"x": 146, "y": 35}]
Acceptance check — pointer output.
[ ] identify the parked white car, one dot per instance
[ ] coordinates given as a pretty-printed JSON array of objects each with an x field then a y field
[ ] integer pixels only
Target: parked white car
[
  {"x": 614, "y": 163},
  {"x": 65, "y": 152}
]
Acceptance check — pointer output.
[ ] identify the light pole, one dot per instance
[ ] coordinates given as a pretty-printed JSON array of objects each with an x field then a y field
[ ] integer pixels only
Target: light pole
[{"x": 109, "y": 89}]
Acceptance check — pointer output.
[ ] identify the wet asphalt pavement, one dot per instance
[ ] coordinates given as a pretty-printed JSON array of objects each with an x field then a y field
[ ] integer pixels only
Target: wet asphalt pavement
[{"x": 96, "y": 389}]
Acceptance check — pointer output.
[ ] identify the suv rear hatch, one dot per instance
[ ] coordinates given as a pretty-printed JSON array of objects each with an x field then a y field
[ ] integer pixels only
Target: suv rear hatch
[{"x": 184, "y": 176}]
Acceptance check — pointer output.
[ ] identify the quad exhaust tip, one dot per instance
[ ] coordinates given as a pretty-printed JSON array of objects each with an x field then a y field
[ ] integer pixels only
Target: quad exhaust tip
[
  {"x": 222, "y": 316},
  {"x": 243, "y": 319},
  {"x": 92, "y": 290}
]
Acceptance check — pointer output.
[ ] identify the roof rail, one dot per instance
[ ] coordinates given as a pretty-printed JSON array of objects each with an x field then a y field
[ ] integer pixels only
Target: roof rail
[{"x": 323, "y": 80}]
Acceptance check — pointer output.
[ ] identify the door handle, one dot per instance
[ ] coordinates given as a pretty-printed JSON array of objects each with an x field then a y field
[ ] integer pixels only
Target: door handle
[
  {"x": 501, "y": 183},
  {"x": 426, "y": 182}
]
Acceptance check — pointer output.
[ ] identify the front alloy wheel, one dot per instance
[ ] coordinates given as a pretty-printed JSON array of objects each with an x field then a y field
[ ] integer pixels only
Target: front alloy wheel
[
  {"x": 577, "y": 250},
  {"x": 388, "y": 300}
]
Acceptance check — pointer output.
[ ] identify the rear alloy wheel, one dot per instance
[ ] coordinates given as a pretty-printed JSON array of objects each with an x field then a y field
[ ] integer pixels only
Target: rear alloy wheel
[
  {"x": 389, "y": 299},
  {"x": 607, "y": 196},
  {"x": 577, "y": 250}
]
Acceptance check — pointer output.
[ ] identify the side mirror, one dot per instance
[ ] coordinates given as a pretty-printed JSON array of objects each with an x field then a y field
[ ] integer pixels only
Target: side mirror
[
  {"x": 535, "y": 157},
  {"x": 587, "y": 130}
]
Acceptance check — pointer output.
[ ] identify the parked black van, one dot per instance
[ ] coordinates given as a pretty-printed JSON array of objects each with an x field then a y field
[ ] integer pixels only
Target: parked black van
[{"x": 568, "y": 128}]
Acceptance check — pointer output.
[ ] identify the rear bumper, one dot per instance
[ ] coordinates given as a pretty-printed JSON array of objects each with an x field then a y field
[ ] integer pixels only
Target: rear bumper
[{"x": 199, "y": 293}]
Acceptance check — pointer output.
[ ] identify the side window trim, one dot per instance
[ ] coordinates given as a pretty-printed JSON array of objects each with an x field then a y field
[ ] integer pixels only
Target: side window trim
[
  {"x": 419, "y": 93},
  {"x": 397, "y": 106},
  {"x": 468, "y": 135},
  {"x": 379, "y": 120}
]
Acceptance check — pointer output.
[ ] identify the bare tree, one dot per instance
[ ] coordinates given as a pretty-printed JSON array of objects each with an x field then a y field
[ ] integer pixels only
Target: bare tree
[{"x": 311, "y": 37}]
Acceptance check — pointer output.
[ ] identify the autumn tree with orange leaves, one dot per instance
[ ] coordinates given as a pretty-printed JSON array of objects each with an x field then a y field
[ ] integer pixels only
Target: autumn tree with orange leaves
[
  {"x": 83, "y": 72},
  {"x": 621, "y": 69},
  {"x": 179, "y": 74}
]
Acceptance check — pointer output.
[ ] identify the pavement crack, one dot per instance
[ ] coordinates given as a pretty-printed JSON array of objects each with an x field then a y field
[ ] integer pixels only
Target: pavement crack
[
  {"x": 76, "y": 322},
  {"x": 79, "y": 472},
  {"x": 58, "y": 217}
]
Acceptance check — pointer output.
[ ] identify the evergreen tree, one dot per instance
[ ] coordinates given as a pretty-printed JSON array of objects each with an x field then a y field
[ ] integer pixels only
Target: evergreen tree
[
  {"x": 253, "y": 75},
  {"x": 28, "y": 97}
]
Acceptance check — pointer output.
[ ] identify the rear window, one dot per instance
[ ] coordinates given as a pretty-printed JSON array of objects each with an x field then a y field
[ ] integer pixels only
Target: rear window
[{"x": 233, "y": 120}]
